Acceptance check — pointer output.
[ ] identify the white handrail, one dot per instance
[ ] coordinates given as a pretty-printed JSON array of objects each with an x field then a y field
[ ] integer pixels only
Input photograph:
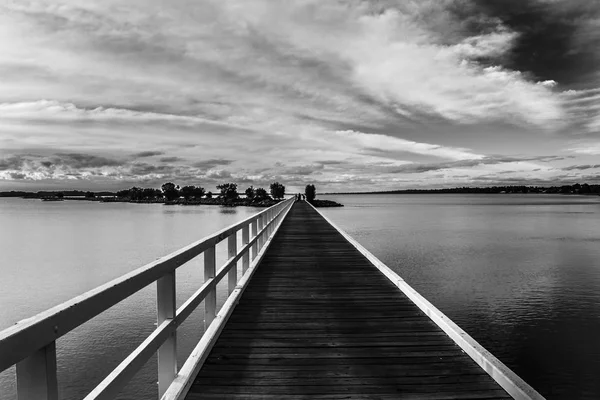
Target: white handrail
[
  {"x": 504, "y": 376},
  {"x": 30, "y": 344}
]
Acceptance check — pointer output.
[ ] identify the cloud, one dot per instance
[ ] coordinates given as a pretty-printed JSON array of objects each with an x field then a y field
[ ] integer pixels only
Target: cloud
[
  {"x": 212, "y": 163},
  {"x": 387, "y": 144},
  {"x": 554, "y": 40},
  {"x": 310, "y": 169},
  {"x": 144, "y": 154},
  {"x": 218, "y": 174},
  {"x": 79, "y": 160},
  {"x": 170, "y": 159},
  {"x": 13, "y": 162},
  {"x": 49, "y": 111},
  {"x": 413, "y": 168},
  {"x": 17, "y": 175},
  {"x": 581, "y": 167},
  {"x": 339, "y": 91},
  {"x": 588, "y": 149}
]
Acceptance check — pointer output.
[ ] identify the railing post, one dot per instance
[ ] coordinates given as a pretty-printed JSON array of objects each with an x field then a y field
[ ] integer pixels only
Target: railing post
[
  {"x": 210, "y": 302},
  {"x": 167, "y": 353},
  {"x": 255, "y": 244},
  {"x": 231, "y": 252},
  {"x": 245, "y": 241},
  {"x": 36, "y": 375},
  {"x": 270, "y": 229},
  {"x": 261, "y": 224}
]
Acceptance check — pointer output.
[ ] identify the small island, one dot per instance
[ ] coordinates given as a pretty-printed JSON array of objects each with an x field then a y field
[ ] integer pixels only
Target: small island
[
  {"x": 171, "y": 194},
  {"x": 310, "y": 192}
]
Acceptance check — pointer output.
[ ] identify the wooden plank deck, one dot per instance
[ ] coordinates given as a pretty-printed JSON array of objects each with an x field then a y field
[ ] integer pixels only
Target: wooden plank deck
[{"x": 318, "y": 320}]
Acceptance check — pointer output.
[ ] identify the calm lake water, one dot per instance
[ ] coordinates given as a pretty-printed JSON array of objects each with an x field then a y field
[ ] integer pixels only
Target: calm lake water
[
  {"x": 53, "y": 251},
  {"x": 520, "y": 273}
]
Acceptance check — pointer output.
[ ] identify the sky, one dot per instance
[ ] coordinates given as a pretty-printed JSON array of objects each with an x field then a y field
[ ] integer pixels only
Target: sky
[{"x": 347, "y": 95}]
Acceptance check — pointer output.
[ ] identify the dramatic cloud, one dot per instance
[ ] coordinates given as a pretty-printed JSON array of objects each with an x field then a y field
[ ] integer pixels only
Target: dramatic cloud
[{"x": 373, "y": 93}]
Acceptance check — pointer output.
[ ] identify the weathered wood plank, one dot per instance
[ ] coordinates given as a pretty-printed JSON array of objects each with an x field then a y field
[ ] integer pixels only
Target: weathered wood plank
[{"x": 318, "y": 320}]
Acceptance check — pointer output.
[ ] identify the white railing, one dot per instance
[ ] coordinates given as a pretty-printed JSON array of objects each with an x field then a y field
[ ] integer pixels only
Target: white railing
[
  {"x": 504, "y": 376},
  {"x": 31, "y": 344}
]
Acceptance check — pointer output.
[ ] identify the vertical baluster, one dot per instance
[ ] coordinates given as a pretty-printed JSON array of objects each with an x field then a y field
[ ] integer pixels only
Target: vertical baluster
[
  {"x": 261, "y": 221},
  {"x": 36, "y": 375},
  {"x": 231, "y": 252},
  {"x": 267, "y": 219},
  {"x": 167, "y": 353},
  {"x": 245, "y": 241},
  {"x": 270, "y": 220},
  {"x": 210, "y": 302},
  {"x": 254, "y": 245}
]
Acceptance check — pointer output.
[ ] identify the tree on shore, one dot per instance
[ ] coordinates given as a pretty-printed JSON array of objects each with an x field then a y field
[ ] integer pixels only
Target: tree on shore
[
  {"x": 170, "y": 191},
  {"x": 228, "y": 191},
  {"x": 260, "y": 194},
  {"x": 249, "y": 193},
  {"x": 192, "y": 192},
  {"x": 150, "y": 194},
  {"x": 209, "y": 195},
  {"x": 310, "y": 192},
  {"x": 277, "y": 190}
]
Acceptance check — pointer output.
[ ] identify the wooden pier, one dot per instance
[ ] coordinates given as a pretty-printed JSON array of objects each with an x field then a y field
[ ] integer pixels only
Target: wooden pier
[
  {"x": 314, "y": 315},
  {"x": 319, "y": 320}
]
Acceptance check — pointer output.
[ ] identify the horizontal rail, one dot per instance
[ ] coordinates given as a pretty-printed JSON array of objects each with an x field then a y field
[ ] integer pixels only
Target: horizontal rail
[
  {"x": 504, "y": 376},
  {"x": 182, "y": 383},
  {"x": 118, "y": 378},
  {"x": 111, "y": 385},
  {"x": 26, "y": 337}
]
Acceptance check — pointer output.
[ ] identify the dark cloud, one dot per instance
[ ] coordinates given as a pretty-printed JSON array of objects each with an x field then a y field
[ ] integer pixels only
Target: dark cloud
[
  {"x": 13, "y": 162},
  {"x": 330, "y": 162},
  {"x": 212, "y": 163},
  {"x": 556, "y": 39},
  {"x": 140, "y": 169},
  {"x": 491, "y": 160},
  {"x": 81, "y": 160},
  {"x": 171, "y": 159},
  {"x": 143, "y": 154},
  {"x": 580, "y": 167},
  {"x": 18, "y": 175}
]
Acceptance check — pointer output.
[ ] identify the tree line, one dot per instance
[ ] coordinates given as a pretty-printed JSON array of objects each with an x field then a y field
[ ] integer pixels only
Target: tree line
[{"x": 227, "y": 191}]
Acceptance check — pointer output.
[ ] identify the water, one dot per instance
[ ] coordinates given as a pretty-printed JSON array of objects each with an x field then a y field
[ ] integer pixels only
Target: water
[
  {"x": 53, "y": 251},
  {"x": 520, "y": 273}
]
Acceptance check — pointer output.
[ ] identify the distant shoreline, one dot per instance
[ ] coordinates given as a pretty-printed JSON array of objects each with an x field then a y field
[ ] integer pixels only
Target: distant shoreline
[
  {"x": 575, "y": 189},
  {"x": 431, "y": 192}
]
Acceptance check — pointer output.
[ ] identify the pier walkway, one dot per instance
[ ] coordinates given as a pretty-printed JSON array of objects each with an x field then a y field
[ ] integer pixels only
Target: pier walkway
[
  {"x": 319, "y": 320},
  {"x": 312, "y": 315}
]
